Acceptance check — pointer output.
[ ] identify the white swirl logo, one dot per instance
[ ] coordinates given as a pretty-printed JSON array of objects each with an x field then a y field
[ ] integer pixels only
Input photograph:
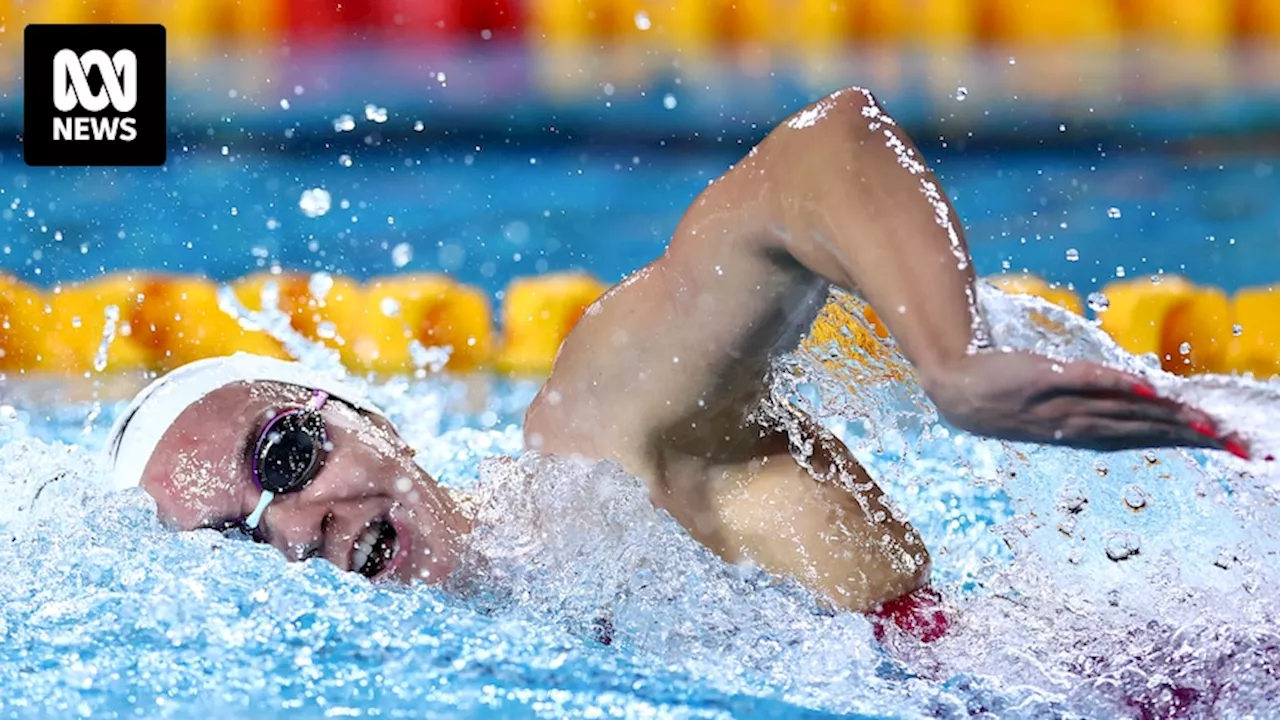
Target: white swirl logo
[{"x": 71, "y": 80}]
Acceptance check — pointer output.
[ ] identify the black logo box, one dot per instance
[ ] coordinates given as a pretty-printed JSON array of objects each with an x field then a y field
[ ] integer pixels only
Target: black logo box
[{"x": 42, "y": 42}]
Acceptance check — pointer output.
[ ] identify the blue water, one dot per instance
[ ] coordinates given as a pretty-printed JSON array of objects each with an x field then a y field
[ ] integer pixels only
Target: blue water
[
  {"x": 1133, "y": 584},
  {"x": 490, "y": 215}
]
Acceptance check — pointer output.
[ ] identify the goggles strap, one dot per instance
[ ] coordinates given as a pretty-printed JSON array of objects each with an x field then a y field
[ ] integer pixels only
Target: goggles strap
[{"x": 253, "y": 520}]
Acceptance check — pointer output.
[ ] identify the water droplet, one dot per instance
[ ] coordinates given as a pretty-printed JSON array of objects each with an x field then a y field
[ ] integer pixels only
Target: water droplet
[
  {"x": 1062, "y": 127},
  {"x": 284, "y": 103},
  {"x": 374, "y": 113},
  {"x": 389, "y": 306},
  {"x": 319, "y": 285},
  {"x": 1098, "y": 302},
  {"x": 1113, "y": 213},
  {"x": 962, "y": 92},
  {"x": 1072, "y": 255},
  {"x": 418, "y": 126},
  {"x": 344, "y": 123},
  {"x": 642, "y": 20},
  {"x": 1135, "y": 498},
  {"x": 1184, "y": 348},
  {"x": 1013, "y": 60},
  {"x": 326, "y": 330},
  {"x": 344, "y": 160},
  {"x": 1122, "y": 545},
  {"x": 1101, "y": 468},
  {"x": 1119, "y": 271},
  {"x": 273, "y": 224},
  {"x": 669, "y": 101},
  {"x": 315, "y": 202},
  {"x": 401, "y": 254},
  {"x": 1237, "y": 329}
]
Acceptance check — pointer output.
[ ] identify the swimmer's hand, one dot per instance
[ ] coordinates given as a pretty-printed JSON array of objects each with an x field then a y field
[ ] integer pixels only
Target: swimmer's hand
[{"x": 1026, "y": 397}]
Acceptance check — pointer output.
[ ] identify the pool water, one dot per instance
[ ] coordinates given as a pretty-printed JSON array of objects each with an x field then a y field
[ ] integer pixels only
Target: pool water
[
  {"x": 1128, "y": 584},
  {"x": 487, "y": 215}
]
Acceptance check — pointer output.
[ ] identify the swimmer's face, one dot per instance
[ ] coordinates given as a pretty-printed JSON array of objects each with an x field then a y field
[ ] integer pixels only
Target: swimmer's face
[{"x": 368, "y": 491}]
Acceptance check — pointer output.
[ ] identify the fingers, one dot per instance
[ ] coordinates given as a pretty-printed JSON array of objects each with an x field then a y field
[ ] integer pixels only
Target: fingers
[{"x": 1087, "y": 376}]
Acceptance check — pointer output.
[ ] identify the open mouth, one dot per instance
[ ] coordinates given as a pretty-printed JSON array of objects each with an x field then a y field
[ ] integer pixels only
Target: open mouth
[{"x": 374, "y": 549}]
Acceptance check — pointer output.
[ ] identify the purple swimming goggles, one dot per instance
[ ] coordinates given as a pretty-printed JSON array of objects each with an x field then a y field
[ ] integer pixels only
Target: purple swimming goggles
[{"x": 289, "y": 453}]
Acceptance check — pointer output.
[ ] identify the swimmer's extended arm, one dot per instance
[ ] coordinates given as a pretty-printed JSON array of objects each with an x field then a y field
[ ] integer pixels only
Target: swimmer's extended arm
[{"x": 854, "y": 202}]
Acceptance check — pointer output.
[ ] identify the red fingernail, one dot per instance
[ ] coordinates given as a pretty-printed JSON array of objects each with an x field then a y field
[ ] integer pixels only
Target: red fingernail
[
  {"x": 1205, "y": 429},
  {"x": 1145, "y": 391},
  {"x": 1235, "y": 447}
]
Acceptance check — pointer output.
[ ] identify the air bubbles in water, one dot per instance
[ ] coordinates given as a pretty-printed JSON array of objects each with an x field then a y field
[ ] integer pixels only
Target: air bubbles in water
[
  {"x": 315, "y": 202},
  {"x": 1113, "y": 213},
  {"x": 389, "y": 306},
  {"x": 375, "y": 114},
  {"x": 1098, "y": 302},
  {"x": 284, "y": 103},
  {"x": 642, "y": 20},
  {"x": 1135, "y": 498},
  {"x": 962, "y": 92},
  {"x": 1184, "y": 348},
  {"x": 1119, "y": 271},
  {"x": 344, "y": 160},
  {"x": 669, "y": 101},
  {"x": 1072, "y": 255},
  {"x": 1122, "y": 545},
  {"x": 401, "y": 254},
  {"x": 418, "y": 126},
  {"x": 1237, "y": 329},
  {"x": 344, "y": 123}
]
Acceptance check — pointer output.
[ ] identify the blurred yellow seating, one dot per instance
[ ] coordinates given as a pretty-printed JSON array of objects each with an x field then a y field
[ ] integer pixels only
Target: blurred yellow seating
[
  {"x": 1051, "y": 22},
  {"x": 944, "y": 24},
  {"x": 1186, "y": 23},
  {"x": 97, "y": 11},
  {"x": 194, "y": 26},
  {"x": 561, "y": 22},
  {"x": 435, "y": 310},
  {"x": 1257, "y": 347},
  {"x": 1258, "y": 20},
  {"x": 750, "y": 22},
  {"x": 1186, "y": 326},
  {"x": 24, "y": 325},
  {"x": 537, "y": 315},
  {"x": 77, "y": 326},
  {"x": 1027, "y": 284}
]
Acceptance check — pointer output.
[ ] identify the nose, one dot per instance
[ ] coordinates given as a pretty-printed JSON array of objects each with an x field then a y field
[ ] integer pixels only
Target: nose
[{"x": 295, "y": 526}]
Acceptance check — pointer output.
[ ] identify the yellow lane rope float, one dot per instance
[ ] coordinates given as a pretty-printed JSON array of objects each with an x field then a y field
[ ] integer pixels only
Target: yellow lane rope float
[{"x": 139, "y": 320}]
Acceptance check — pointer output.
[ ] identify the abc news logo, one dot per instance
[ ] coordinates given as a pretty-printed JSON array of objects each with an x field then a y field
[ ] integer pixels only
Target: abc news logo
[{"x": 94, "y": 95}]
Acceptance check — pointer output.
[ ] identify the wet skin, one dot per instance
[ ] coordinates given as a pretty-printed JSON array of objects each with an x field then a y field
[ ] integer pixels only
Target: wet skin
[
  {"x": 666, "y": 373},
  {"x": 200, "y": 477}
]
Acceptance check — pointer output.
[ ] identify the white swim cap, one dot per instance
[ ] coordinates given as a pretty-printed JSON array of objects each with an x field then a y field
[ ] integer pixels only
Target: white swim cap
[{"x": 142, "y": 425}]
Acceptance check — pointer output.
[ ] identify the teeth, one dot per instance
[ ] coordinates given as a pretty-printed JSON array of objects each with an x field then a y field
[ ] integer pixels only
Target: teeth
[{"x": 364, "y": 547}]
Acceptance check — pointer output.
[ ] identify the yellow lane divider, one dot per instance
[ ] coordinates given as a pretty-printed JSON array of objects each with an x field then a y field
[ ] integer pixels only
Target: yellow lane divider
[{"x": 160, "y": 321}]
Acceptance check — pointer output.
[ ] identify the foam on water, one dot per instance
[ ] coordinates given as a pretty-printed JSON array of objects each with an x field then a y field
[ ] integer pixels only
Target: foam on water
[{"x": 587, "y": 602}]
